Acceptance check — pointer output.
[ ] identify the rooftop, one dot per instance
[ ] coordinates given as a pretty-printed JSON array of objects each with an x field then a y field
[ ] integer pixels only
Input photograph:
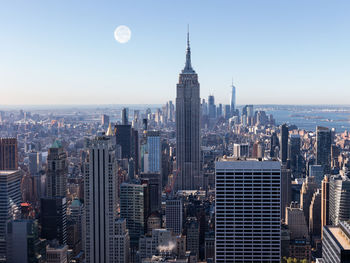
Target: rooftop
[{"x": 340, "y": 237}]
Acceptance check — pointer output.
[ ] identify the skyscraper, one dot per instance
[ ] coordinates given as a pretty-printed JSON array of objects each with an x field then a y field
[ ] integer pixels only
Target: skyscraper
[
  {"x": 174, "y": 215},
  {"x": 8, "y": 154},
  {"x": 123, "y": 137},
  {"x": 132, "y": 203},
  {"x": 10, "y": 203},
  {"x": 154, "y": 152},
  {"x": 233, "y": 99},
  {"x": 324, "y": 203},
  {"x": 125, "y": 116},
  {"x": 23, "y": 243},
  {"x": 247, "y": 216},
  {"x": 188, "y": 127},
  {"x": 57, "y": 169},
  {"x": 100, "y": 200},
  {"x": 339, "y": 199},
  {"x": 122, "y": 241},
  {"x": 323, "y": 148},
  {"x": 284, "y": 134},
  {"x": 54, "y": 219}
]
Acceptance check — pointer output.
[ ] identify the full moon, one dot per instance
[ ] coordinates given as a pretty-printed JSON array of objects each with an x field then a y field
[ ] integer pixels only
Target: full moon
[{"x": 122, "y": 34}]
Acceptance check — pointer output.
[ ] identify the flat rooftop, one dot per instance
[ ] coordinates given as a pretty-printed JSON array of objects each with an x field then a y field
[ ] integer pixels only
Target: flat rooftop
[
  {"x": 7, "y": 172},
  {"x": 338, "y": 234}
]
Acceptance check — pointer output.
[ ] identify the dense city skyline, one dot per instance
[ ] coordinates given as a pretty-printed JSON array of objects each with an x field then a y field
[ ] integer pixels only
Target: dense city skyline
[
  {"x": 166, "y": 169},
  {"x": 66, "y": 53}
]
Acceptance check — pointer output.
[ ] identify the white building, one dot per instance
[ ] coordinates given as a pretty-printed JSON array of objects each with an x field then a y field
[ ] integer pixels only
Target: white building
[
  {"x": 247, "y": 217},
  {"x": 100, "y": 194}
]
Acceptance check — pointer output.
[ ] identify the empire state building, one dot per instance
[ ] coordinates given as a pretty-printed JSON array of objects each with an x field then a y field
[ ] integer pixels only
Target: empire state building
[{"x": 188, "y": 128}]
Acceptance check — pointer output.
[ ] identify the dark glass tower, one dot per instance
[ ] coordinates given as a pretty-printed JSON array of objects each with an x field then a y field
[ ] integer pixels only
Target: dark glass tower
[
  {"x": 187, "y": 127},
  {"x": 323, "y": 148},
  {"x": 284, "y": 143}
]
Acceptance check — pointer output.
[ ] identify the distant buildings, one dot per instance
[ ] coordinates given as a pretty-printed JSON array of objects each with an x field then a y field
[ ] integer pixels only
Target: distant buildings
[
  {"x": 247, "y": 229},
  {"x": 233, "y": 100}
]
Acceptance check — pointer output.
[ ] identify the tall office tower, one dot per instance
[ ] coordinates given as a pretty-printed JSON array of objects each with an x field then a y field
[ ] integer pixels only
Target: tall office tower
[
  {"x": 132, "y": 203},
  {"x": 154, "y": 181},
  {"x": 23, "y": 243},
  {"x": 10, "y": 204},
  {"x": 34, "y": 162},
  {"x": 274, "y": 145},
  {"x": 122, "y": 241},
  {"x": 53, "y": 219},
  {"x": 233, "y": 99},
  {"x": 188, "y": 127},
  {"x": 8, "y": 154},
  {"x": 339, "y": 199},
  {"x": 204, "y": 106},
  {"x": 324, "y": 203},
  {"x": 100, "y": 200},
  {"x": 284, "y": 134},
  {"x": 295, "y": 219},
  {"x": 307, "y": 191},
  {"x": 315, "y": 216},
  {"x": 57, "y": 169},
  {"x": 335, "y": 152},
  {"x": 174, "y": 215},
  {"x": 286, "y": 191},
  {"x": 212, "y": 107},
  {"x": 105, "y": 120},
  {"x": 123, "y": 137},
  {"x": 125, "y": 116},
  {"x": 56, "y": 253},
  {"x": 219, "y": 111},
  {"x": 192, "y": 235},
  {"x": 135, "y": 149},
  {"x": 76, "y": 215},
  {"x": 227, "y": 111},
  {"x": 336, "y": 244},
  {"x": 323, "y": 148},
  {"x": 294, "y": 156},
  {"x": 154, "y": 152},
  {"x": 247, "y": 216},
  {"x": 316, "y": 171}
]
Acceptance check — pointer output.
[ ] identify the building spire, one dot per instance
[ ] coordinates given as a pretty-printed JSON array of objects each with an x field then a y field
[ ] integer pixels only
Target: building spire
[{"x": 188, "y": 67}]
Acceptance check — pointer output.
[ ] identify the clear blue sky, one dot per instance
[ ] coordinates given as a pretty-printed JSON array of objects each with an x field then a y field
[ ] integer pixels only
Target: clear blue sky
[{"x": 279, "y": 52}]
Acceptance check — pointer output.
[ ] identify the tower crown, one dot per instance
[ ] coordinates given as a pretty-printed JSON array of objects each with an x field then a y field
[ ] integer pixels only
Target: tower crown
[{"x": 188, "y": 67}]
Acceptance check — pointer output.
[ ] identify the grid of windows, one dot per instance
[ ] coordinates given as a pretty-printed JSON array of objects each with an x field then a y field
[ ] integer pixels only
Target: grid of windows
[{"x": 247, "y": 211}]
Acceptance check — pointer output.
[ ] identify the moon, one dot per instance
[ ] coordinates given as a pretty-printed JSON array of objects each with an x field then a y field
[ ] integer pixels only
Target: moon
[{"x": 122, "y": 34}]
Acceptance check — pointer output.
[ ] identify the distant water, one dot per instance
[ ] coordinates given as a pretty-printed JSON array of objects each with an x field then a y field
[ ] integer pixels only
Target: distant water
[{"x": 308, "y": 117}]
